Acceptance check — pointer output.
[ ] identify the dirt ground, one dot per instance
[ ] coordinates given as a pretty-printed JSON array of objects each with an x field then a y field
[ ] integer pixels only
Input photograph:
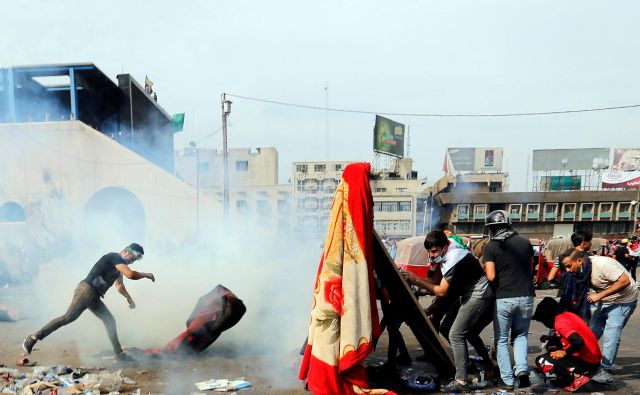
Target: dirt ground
[{"x": 268, "y": 375}]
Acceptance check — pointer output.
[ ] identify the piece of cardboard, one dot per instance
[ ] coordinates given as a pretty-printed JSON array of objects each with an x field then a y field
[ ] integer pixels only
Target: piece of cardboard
[{"x": 404, "y": 302}]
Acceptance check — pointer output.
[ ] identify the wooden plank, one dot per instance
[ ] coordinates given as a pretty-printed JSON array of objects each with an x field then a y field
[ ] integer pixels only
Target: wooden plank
[{"x": 404, "y": 301}]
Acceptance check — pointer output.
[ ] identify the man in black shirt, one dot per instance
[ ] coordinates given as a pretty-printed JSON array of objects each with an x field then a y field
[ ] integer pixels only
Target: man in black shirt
[
  {"x": 508, "y": 260},
  {"x": 109, "y": 270},
  {"x": 623, "y": 256}
]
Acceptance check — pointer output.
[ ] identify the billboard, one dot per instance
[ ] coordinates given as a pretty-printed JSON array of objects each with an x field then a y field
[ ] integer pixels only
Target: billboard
[
  {"x": 473, "y": 159},
  {"x": 388, "y": 137},
  {"x": 560, "y": 183},
  {"x": 570, "y": 159},
  {"x": 619, "y": 179},
  {"x": 626, "y": 159}
]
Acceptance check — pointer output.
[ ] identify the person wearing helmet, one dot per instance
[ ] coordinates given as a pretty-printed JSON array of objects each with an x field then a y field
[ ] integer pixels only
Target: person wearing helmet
[
  {"x": 109, "y": 270},
  {"x": 508, "y": 262}
]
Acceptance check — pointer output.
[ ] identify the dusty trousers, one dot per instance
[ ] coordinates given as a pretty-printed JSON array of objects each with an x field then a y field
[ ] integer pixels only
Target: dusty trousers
[{"x": 84, "y": 297}]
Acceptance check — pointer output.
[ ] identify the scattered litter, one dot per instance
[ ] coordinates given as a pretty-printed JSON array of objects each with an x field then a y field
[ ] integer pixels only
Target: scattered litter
[
  {"x": 418, "y": 379},
  {"x": 223, "y": 385},
  {"x": 62, "y": 380}
]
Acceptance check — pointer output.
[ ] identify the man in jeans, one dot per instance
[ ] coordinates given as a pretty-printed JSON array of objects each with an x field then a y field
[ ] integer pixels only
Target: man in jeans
[
  {"x": 615, "y": 299},
  {"x": 463, "y": 280},
  {"x": 108, "y": 270},
  {"x": 508, "y": 260}
]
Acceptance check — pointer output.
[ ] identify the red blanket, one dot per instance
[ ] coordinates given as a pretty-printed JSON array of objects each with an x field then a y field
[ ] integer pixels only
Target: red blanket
[{"x": 344, "y": 315}]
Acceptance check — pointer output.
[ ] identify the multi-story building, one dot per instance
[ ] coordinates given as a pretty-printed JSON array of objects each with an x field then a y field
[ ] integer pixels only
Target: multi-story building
[
  {"x": 397, "y": 194},
  {"x": 314, "y": 184},
  {"x": 543, "y": 215},
  {"x": 255, "y": 197}
]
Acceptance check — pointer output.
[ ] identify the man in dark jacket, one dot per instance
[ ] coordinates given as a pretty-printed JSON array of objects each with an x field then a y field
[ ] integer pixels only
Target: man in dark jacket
[
  {"x": 579, "y": 357},
  {"x": 109, "y": 270}
]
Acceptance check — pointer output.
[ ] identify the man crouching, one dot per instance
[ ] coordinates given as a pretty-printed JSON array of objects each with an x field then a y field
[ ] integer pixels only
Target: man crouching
[{"x": 108, "y": 270}]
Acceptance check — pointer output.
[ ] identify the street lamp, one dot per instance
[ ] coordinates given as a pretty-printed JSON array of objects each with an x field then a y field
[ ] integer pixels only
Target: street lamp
[{"x": 226, "y": 110}]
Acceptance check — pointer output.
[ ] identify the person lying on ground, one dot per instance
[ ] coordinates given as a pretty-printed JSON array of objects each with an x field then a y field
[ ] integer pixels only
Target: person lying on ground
[
  {"x": 109, "y": 270},
  {"x": 579, "y": 357}
]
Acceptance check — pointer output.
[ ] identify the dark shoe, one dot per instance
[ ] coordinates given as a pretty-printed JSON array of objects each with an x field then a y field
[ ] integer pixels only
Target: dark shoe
[
  {"x": 504, "y": 385},
  {"x": 454, "y": 386},
  {"x": 28, "y": 343},
  {"x": 577, "y": 383},
  {"x": 602, "y": 376},
  {"x": 523, "y": 380},
  {"x": 403, "y": 360}
]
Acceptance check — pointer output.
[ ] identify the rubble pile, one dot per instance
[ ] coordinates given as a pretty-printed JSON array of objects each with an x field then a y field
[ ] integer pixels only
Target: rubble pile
[{"x": 63, "y": 380}]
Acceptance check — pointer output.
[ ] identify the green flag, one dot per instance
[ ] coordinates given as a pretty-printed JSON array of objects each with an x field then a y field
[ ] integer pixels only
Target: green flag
[{"x": 178, "y": 122}]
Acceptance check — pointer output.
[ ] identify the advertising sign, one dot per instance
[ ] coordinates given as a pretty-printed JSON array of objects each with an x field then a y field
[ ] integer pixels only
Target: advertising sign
[
  {"x": 388, "y": 137},
  {"x": 570, "y": 159},
  {"x": 626, "y": 159},
  {"x": 561, "y": 183},
  {"x": 473, "y": 159},
  {"x": 462, "y": 159},
  {"x": 488, "y": 159},
  {"x": 621, "y": 179}
]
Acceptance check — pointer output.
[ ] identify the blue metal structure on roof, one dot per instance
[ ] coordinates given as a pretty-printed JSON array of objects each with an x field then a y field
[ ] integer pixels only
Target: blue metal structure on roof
[{"x": 122, "y": 111}]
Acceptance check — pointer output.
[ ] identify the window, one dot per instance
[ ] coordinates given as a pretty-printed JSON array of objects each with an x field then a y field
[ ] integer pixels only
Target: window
[
  {"x": 11, "y": 212},
  {"x": 381, "y": 189},
  {"x": 242, "y": 206},
  {"x": 203, "y": 167},
  {"x": 551, "y": 211},
  {"x": 606, "y": 211},
  {"x": 320, "y": 168},
  {"x": 393, "y": 226},
  {"x": 568, "y": 211},
  {"x": 337, "y": 167},
  {"x": 624, "y": 211},
  {"x": 401, "y": 189},
  {"x": 283, "y": 206},
  {"x": 263, "y": 206},
  {"x": 301, "y": 168},
  {"x": 533, "y": 212},
  {"x": 515, "y": 212},
  {"x": 242, "y": 165},
  {"x": 389, "y": 206},
  {"x": 480, "y": 212},
  {"x": 404, "y": 206},
  {"x": 586, "y": 211},
  {"x": 462, "y": 212}
]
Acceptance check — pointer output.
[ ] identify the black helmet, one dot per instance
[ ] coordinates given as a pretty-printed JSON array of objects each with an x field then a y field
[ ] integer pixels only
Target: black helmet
[{"x": 498, "y": 217}]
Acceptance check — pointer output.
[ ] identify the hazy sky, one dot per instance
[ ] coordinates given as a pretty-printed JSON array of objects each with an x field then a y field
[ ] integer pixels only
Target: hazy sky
[{"x": 386, "y": 56}]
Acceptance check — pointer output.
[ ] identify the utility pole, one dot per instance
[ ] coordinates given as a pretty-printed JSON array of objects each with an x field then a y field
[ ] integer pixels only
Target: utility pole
[
  {"x": 226, "y": 110},
  {"x": 326, "y": 106}
]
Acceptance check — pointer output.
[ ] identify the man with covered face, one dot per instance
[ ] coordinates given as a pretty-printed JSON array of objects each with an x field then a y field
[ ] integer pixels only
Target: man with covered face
[
  {"x": 464, "y": 281},
  {"x": 615, "y": 299},
  {"x": 109, "y": 270}
]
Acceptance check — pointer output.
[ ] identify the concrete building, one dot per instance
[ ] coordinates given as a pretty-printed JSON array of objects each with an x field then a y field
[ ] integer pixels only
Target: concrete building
[
  {"x": 314, "y": 185},
  {"x": 397, "y": 195},
  {"x": 68, "y": 182},
  {"x": 255, "y": 197},
  {"x": 246, "y": 167},
  {"x": 608, "y": 214},
  {"x": 80, "y": 91}
]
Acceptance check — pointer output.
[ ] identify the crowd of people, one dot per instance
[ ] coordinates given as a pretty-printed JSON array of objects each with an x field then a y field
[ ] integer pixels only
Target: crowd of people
[{"x": 597, "y": 296}]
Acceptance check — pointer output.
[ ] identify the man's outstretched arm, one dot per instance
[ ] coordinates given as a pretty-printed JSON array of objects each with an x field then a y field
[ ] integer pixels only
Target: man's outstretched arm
[
  {"x": 132, "y": 274},
  {"x": 123, "y": 291}
]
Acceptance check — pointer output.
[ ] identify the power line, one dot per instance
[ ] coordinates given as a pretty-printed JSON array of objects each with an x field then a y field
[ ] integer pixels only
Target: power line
[{"x": 520, "y": 114}]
